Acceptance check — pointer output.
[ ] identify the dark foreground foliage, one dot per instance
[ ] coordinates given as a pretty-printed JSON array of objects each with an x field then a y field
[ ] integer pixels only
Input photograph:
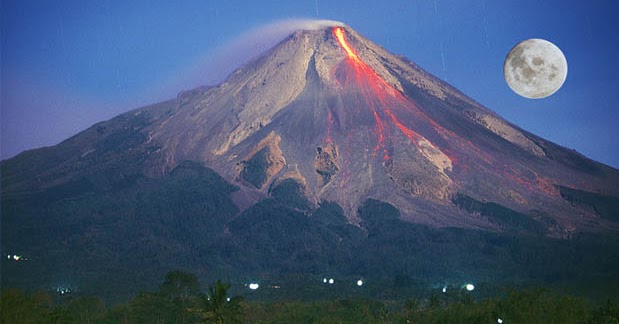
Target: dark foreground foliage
[
  {"x": 113, "y": 235},
  {"x": 180, "y": 300}
]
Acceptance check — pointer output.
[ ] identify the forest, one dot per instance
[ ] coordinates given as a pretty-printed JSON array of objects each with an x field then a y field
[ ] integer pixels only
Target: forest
[
  {"x": 180, "y": 299},
  {"x": 101, "y": 256}
]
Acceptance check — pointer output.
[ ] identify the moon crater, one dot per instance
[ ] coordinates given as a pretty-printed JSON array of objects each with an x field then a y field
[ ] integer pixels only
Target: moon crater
[{"x": 535, "y": 68}]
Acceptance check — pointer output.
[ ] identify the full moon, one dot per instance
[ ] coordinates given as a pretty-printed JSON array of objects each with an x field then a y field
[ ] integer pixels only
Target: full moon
[{"x": 535, "y": 68}]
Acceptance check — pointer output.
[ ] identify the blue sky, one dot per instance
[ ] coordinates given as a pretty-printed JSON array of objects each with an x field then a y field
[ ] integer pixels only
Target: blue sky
[{"x": 68, "y": 64}]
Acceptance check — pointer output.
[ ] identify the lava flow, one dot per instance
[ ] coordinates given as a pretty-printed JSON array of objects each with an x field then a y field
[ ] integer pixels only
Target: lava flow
[
  {"x": 339, "y": 34},
  {"x": 392, "y": 111},
  {"x": 385, "y": 103}
]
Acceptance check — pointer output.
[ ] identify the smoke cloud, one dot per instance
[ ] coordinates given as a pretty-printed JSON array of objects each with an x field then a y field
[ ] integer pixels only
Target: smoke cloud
[
  {"x": 214, "y": 67},
  {"x": 253, "y": 43}
]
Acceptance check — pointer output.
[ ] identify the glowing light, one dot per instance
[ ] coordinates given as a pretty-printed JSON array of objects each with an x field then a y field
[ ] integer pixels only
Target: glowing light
[
  {"x": 228, "y": 299},
  {"x": 339, "y": 34},
  {"x": 331, "y": 281},
  {"x": 8, "y": 256},
  {"x": 253, "y": 286},
  {"x": 324, "y": 280},
  {"x": 359, "y": 282},
  {"x": 499, "y": 320},
  {"x": 470, "y": 287},
  {"x": 374, "y": 89},
  {"x": 444, "y": 289},
  {"x": 17, "y": 257},
  {"x": 390, "y": 112}
]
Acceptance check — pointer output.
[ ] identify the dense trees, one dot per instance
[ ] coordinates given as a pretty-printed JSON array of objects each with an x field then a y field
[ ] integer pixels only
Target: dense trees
[
  {"x": 218, "y": 307},
  {"x": 17, "y": 307},
  {"x": 118, "y": 235},
  {"x": 180, "y": 300}
]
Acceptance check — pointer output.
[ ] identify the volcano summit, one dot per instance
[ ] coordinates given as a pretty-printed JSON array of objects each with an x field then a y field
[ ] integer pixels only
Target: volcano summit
[
  {"x": 300, "y": 158},
  {"x": 347, "y": 120}
]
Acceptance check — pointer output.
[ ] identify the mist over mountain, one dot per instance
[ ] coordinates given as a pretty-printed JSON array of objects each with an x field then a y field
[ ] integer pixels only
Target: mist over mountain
[{"x": 327, "y": 154}]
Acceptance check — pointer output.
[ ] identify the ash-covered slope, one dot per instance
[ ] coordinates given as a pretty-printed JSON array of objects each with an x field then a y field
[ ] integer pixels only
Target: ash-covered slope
[{"x": 348, "y": 121}]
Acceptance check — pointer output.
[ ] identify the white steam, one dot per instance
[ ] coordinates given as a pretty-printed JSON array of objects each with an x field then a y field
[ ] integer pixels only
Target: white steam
[
  {"x": 253, "y": 43},
  {"x": 218, "y": 64}
]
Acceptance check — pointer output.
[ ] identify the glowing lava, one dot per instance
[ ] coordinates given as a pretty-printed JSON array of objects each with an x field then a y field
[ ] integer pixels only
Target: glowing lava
[
  {"x": 339, "y": 34},
  {"x": 392, "y": 111},
  {"x": 372, "y": 89},
  {"x": 382, "y": 98}
]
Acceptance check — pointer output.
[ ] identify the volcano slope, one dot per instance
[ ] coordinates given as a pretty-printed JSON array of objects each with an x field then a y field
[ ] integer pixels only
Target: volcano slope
[{"x": 327, "y": 154}]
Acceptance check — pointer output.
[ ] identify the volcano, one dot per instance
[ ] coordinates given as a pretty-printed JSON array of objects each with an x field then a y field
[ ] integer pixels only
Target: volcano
[
  {"x": 324, "y": 123},
  {"x": 348, "y": 121}
]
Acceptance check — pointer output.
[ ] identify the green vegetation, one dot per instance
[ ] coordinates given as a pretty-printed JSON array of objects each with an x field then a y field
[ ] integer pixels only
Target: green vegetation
[
  {"x": 180, "y": 300},
  {"x": 255, "y": 168},
  {"x": 114, "y": 236},
  {"x": 218, "y": 307},
  {"x": 504, "y": 217},
  {"x": 605, "y": 206}
]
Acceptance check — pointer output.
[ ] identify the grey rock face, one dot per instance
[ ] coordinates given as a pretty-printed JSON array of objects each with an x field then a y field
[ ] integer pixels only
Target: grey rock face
[{"x": 348, "y": 128}]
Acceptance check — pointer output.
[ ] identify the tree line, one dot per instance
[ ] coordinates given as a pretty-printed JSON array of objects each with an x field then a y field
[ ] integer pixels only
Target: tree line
[{"x": 180, "y": 300}]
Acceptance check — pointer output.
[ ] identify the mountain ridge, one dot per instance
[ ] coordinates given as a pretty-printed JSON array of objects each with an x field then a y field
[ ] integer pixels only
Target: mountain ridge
[
  {"x": 263, "y": 105},
  {"x": 327, "y": 155}
]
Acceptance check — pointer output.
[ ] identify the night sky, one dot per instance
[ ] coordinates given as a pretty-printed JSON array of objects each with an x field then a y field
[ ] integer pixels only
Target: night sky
[{"x": 69, "y": 64}]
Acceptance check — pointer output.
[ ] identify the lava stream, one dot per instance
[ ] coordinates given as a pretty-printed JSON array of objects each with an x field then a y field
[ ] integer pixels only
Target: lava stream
[
  {"x": 393, "y": 110},
  {"x": 382, "y": 98}
]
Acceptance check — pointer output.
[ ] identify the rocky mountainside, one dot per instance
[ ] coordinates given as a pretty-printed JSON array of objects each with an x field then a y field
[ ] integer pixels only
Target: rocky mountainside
[
  {"x": 327, "y": 119},
  {"x": 348, "y": 121}
]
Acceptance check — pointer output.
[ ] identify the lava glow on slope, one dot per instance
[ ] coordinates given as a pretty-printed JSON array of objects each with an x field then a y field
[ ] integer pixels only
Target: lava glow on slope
[
  {"x": 339, "y": 34},
  {"x": 383, "y": 100},
  {"x": 393, "y": 112}
]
